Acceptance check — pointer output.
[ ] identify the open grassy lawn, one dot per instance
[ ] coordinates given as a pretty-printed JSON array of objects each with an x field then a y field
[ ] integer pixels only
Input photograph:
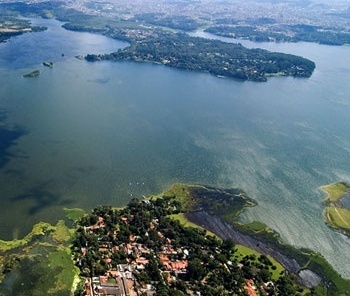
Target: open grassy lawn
[
  {"x": 242, "y": 251},
  {"x": 186, "y": 223},
  {"x": 182, "y": 194},
  {"x": 256, "y": 226},
  {"x": 339, "y": 217},
  {"x": 335, "y": 191}
]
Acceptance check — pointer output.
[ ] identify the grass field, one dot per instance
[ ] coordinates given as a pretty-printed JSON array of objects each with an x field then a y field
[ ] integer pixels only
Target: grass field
[
  {"x": 186, "y": 223},
  {"x": 336, "y": 191},
  {"x": 256, "y": 226},
  {"x": 242, "y": 251},
  {"x": 338, "y": 217},
  {"x": 183, "y": 195}
]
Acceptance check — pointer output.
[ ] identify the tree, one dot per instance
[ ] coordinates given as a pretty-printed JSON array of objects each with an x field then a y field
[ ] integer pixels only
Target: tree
[{"x": 195, "y": 270}]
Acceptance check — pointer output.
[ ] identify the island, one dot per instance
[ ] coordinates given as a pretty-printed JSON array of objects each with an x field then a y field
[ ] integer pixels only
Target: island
[
  {"x": 179, "y": 50},
  {"x": 48, "y": 64},
  {"x": 163, "y": 41},
  {"x": 184, "y": 241},
  {"x": 11, "y": 26},
  {"x": 34, "y": 73},
  {"x": 337, "y": 211}
]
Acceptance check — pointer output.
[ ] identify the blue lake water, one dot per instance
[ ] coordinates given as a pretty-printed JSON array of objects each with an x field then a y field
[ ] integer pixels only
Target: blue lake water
[
  {"x": 84, "y": 134},
  {"x": 345, "y": 201}
]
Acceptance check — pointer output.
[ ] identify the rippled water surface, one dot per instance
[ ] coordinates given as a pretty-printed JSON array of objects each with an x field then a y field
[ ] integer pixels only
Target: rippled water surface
[{"x": 84, "y": 134}]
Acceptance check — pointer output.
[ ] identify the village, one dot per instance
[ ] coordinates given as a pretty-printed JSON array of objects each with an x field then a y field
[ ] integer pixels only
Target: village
[
  {"x": 121, "y": 281},
  {"x": 139, "y": 250}
]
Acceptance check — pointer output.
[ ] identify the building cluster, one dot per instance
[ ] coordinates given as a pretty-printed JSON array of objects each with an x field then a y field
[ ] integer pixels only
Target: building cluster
[
  {"x": 283, "y": 12},
  {"x": 120, "y": 280}
]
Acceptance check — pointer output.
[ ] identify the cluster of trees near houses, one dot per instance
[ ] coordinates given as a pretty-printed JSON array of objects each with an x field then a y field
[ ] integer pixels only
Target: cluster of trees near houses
[{"x": 213, "y": 267}]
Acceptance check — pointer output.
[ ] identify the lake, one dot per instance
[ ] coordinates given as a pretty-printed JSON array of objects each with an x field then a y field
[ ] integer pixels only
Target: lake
[{"x": 85, "y": 134}]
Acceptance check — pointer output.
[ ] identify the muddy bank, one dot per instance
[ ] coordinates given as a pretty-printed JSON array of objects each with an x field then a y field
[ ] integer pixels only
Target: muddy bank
[{"x": 226, "y": 231}]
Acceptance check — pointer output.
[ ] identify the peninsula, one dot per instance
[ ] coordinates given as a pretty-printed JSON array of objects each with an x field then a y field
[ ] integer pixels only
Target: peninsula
[
  {"x": 162, "y": 244},
  {"x": 11, "y": 26},
  {"x": 165, "y": 42},
  {"x": 179, "y": 50},
  {"x": 337, "y": 212}
]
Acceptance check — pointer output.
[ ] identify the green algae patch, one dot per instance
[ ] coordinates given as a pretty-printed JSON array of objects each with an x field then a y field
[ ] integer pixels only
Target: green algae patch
[
  {"x": 39, "y": 229},
  {"x": 66, "y": 271},
  {"x": 74, "y": 214},
  {"x": 40, "y": 263},
  {"x": 62, "y": 233}
]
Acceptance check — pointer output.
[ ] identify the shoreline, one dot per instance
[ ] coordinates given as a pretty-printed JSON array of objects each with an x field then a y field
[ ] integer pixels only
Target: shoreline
[
  {"x": 197, "y": 203},
  {"x": 310, "y": 267}
]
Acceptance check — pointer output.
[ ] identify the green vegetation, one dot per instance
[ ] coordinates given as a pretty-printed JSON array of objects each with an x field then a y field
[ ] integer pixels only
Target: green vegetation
[
  {"x": 182, "y": 194},
  {"x": 336, "y": 285},
  {"x": 275, "y": 267},
  {"x": 282, "y": 33},
  {"x": 39, "y": 229},
  {"x": 257, "y": 226},
  {"x": 13, "y": 26},
  {"x": 339, "y": 217},
  {"x": 181, "y": 218},
  {"x": 336, "y": 215},
  {"x": 39, "y": 264},
  {"x": 62, "y": 233},
  {"x": 34, "y": 73},
  {"x": 146, "y": 231},
  {"x": 160, "y": 45},
  {"x": 48, "y": 64},
  {"x": 154, "y": 228},
  {"x": 74, "y": 214},
  {"x": 218, "y": 58},
  {"x": 336, "y": 191},
  {"x": 174, "y": 22},
  {"x": 220, "y": 202}
]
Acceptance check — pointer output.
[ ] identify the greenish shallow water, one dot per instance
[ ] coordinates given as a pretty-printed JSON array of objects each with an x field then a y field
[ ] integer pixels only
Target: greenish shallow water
[{"x": 85, "y": 134}]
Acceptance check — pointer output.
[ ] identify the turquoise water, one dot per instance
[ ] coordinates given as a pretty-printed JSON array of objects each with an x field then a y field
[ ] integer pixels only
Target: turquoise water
[{"x": 85, "y": 134}]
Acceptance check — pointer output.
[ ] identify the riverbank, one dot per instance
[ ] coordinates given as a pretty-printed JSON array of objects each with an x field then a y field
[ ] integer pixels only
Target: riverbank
[
  {"x": 217, "y": 210},
  {"x": 336, "y": 213}
]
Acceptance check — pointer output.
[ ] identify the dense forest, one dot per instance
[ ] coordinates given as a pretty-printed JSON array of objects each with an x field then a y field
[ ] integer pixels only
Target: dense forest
[{"x": 213, "y": 56}]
